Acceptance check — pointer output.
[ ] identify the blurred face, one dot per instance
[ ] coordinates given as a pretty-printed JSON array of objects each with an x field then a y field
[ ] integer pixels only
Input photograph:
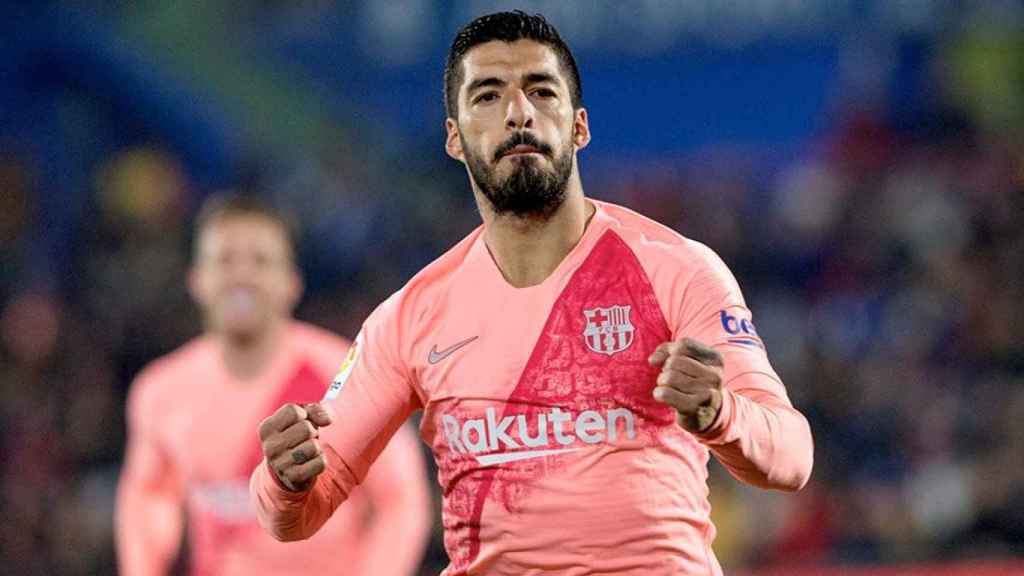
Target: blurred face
[
  {"x": 244, "y": 278},
  {"x": 517, "y": 131}
]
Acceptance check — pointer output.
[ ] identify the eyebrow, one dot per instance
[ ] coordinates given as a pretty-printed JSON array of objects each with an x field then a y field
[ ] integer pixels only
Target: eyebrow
[
  {"x": 528, "y": 79},
  {"x": 539, "y": 78},
  {"x": 482, "y": 82}
]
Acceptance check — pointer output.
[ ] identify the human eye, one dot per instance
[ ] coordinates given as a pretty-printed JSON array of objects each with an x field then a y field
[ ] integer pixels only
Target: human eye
[
  {"x": 545, "y": 93},
  {"x": 262, "y": 260},
  {"x": 486, "y": 97}
]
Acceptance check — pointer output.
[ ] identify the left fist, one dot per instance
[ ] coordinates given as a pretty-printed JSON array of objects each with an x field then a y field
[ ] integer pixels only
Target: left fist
[{"x": 690, "y": 382}]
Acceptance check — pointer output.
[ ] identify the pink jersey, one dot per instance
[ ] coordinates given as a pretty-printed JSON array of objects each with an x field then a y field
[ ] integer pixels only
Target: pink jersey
[
  {"x": 192, "y": 445},
  {"x": 537, "y": 403}
]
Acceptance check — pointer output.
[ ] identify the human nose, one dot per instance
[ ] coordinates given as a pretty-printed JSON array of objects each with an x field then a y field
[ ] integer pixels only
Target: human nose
[{"x": 519, "y": 114}]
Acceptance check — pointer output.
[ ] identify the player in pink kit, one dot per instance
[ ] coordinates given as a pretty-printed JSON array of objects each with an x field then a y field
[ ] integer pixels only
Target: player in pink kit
[
  {"x": 575, "y": 362},
  {"x": 192, "y": 413}
]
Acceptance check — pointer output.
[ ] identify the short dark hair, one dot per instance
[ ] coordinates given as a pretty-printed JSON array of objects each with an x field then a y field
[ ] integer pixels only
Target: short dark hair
[
  {"x": 507, "y": 27},
  {"x": 223, "y": 206}
]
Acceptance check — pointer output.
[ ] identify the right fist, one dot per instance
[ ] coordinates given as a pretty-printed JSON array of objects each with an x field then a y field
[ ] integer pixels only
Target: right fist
[{"x": 289, "y": 440}]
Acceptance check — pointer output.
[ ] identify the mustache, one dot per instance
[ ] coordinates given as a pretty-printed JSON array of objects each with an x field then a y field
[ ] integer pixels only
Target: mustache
[{"x": 524, "y": 139}]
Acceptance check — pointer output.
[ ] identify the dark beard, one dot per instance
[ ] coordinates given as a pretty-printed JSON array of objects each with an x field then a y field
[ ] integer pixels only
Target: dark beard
[{"x": 529, "y": 191}]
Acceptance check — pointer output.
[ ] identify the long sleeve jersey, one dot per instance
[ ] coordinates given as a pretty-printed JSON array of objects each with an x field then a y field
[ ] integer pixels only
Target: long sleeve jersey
[
  {"x": 192, "y": 445},
  {"x": 537, "y": 404}
]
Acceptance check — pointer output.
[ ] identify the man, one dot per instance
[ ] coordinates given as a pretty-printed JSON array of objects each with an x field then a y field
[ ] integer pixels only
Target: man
[
  {"x": 192, "y": 413},
  {"x": 575, "y": 362}
]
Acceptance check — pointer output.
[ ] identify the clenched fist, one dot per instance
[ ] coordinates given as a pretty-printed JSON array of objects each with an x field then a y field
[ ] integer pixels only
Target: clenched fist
[
  {"x": 690, "y": 381},
  {"x": 289, "y": 440}
]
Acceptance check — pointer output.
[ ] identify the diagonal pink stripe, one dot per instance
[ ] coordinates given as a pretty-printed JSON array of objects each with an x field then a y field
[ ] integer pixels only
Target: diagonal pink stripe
[{"x": 610, "y": 275}]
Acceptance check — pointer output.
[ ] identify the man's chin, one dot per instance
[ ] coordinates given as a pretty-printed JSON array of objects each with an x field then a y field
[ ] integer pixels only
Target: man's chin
[
  {"x": 528, "y": 169},
  {"x": 242, "y": 330}
]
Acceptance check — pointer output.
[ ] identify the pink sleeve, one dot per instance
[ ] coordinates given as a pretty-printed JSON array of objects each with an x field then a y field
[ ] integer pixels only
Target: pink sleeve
[
  {"x": 370, "y": 398},
  {"x": 758, "y": 435},
  {"x": 149, "y": 518},
  {"x": 398, "y": 490}
]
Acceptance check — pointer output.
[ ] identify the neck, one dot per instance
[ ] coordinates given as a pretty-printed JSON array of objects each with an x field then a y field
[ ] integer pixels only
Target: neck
[
  {"x": 246, "y": 358},
  {"x": 527, "y": 250}
]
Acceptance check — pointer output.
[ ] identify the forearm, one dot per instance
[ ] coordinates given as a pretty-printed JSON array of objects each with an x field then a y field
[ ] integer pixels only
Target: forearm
[
  {"x": 759, "y": 437},
  {"x": 149, "y": 525}
]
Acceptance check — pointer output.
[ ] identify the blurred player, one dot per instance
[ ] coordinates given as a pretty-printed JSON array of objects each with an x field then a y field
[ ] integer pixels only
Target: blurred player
[
  {"x": 191, "y": 417},
  {"x": 575, "y": 362}
]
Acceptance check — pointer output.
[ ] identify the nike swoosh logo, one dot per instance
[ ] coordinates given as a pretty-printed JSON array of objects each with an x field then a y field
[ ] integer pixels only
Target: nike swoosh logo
[{"x": 436, "y": 356}]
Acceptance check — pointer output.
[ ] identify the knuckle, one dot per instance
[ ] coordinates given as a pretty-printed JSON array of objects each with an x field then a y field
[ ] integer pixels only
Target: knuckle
[
  {"x": 281, "y": 445},
  {"x": 677, "y": 362},
  {"x": 268, "y": 449},
  {"x": 293, "y": 475},
  {"x": 714, "y": 357},
  {"x": 267, "y": 444},
  {"x": 665, "y": 395},
  {"x": 282, "y": 472},
  {"x": 282, "y": 466},
  {"x": 674, "y": 378},
  {"x": 317, "y": 465},
  {"x": 290, "y": 436},
  {"x": 311, "y": 448}
]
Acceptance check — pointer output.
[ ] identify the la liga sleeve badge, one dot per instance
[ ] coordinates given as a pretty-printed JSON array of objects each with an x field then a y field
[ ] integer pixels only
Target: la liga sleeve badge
[{"x": 346, "y": 368}]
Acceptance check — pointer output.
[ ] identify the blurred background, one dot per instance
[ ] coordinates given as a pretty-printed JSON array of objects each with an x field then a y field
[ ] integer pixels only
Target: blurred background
[{"x": 858, "y": 163}]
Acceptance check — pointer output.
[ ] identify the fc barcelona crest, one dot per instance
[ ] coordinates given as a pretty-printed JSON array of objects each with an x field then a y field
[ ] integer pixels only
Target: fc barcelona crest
[{"x": 608, "y": 330}]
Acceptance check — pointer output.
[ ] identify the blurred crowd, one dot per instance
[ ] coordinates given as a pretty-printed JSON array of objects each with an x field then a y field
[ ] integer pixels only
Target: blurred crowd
[
  {"x": 884, "y": 264},
  {"x": 885, "y": 274}
]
